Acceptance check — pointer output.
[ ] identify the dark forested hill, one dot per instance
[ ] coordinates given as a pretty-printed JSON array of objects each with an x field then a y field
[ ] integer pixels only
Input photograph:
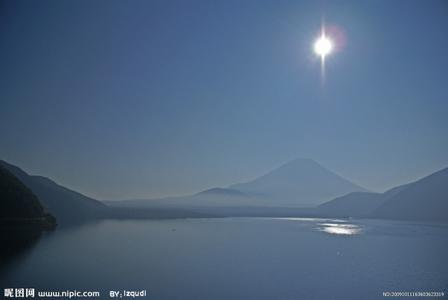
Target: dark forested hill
[{"x": 18, "y": 204}]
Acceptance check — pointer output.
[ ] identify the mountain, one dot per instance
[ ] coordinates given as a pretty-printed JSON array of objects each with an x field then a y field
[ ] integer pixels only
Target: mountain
[
  {"x": 17, "y": 201},
  {"x": 22, "y": 217},
  {"x": 356, "y": 204},
  {"x": 18, "y": 204},
  {"x": 299, "y": 183},
  {"x": 67, "y": 206},
  {"x": 424, "y": 200},
  {"x": 70, "y": 207}
]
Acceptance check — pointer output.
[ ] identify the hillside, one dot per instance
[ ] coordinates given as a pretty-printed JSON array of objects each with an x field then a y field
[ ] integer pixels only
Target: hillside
[
  {"x": 18, "y": 204},
  {"x": 70, "y": 207},
  {"x": 425, "y": 200},
  {"x": 22, "y": 217},
  {"x": 66, "y": 205}
]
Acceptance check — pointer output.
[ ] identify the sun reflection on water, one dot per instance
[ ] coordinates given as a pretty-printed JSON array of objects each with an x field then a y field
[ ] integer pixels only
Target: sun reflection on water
[{"x": 340, "y": 229}]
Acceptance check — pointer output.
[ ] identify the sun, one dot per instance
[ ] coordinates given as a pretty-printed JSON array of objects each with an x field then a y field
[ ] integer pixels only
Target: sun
[{"x": 323, "y": 46}]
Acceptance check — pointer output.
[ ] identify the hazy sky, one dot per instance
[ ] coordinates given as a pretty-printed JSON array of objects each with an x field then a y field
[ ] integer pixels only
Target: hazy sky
[{"x": 134, "y": 99}]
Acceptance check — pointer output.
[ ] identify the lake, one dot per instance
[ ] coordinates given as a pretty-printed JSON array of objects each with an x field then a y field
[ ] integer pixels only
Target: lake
[{"x": 238, "y": 258}]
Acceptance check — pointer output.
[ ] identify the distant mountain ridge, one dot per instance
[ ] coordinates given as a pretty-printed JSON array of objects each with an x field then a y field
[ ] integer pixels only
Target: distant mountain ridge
[
  {"x": 298, "y": 183},
  {"x": 222, "y": 191},
  {"x": 71, "y": 207},
  {"x": 423, "y": 200}
]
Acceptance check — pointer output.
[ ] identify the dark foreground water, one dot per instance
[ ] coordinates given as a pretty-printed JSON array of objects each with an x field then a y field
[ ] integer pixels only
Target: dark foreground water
[{"x": 238, "y": 258}]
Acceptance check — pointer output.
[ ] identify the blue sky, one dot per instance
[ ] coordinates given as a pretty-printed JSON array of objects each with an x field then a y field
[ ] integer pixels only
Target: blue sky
[{"x": 135, "y": 99}]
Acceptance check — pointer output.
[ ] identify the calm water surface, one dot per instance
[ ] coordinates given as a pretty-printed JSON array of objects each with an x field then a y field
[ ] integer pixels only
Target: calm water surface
[{"x": 238, "y": 258}]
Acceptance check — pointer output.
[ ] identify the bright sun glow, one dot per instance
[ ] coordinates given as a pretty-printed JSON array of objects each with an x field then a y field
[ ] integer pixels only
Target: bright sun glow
[{"x": 323, "y": 46}]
